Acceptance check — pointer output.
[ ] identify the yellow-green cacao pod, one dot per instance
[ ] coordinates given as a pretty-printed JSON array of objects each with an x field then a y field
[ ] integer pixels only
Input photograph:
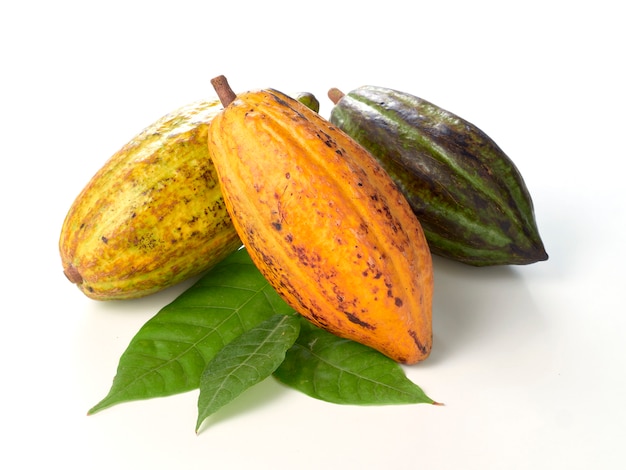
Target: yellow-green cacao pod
[{"x": 153, "y": 215}]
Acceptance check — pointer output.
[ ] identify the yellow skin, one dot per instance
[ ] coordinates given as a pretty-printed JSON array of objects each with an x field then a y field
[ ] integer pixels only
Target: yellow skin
[
  {"x": 153, "y": 215},
  {"x": 325, "y": 224}
]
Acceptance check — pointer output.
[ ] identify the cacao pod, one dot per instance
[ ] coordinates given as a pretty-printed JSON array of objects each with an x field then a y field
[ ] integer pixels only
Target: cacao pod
[
  {"x": 469, "y": 196},
  {"x": 324, "y": 223},
  {"x": 153, "y": 215},
  {"x": 309, "y": 100}
]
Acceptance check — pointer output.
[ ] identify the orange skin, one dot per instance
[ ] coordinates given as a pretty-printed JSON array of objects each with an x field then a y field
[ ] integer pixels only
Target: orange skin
[{"x": 325, "y": 224}]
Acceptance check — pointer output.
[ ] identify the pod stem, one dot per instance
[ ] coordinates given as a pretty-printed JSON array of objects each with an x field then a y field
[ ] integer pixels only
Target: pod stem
[
  {"x": 73, "y": 275},
  {"x": 224, "y": 92},
  {"x": 335, "y": 95}
]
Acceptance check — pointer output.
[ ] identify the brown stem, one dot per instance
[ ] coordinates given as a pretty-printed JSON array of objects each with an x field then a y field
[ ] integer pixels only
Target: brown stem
[
  {"x": 73, "y": 275},
  {"x": 335, "y": 95},
  {"x": 224, "y": 92}
]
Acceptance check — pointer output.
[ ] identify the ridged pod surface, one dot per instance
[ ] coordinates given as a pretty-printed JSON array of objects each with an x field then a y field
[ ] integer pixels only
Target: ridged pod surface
[
  {"x": 153, "y": 215},
  {"x": 325, "y": 224},
  {"x": 470, "y": 198}
]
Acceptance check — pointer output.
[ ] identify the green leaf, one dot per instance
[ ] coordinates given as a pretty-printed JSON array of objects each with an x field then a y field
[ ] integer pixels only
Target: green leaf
[
  {"x": 341, "y": 371},
  {"x": 244, "y": 362},
  {"x": 169, "y": 353}
]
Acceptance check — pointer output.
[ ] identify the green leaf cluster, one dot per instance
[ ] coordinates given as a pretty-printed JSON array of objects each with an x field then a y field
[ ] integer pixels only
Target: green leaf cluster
[{"x": 231, "y": 330}]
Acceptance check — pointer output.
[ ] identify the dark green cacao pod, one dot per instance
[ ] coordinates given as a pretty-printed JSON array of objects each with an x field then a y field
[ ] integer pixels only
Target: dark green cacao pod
[{"x": 469, "y": 196}]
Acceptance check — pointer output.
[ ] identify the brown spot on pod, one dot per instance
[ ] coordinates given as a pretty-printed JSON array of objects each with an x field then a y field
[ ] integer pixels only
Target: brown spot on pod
[
  {"x": 418, "y": 343},
  {"x": 356, "y": 320}
]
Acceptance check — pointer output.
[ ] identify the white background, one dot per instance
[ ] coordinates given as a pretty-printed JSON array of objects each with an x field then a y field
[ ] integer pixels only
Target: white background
[{"x": 529, "y": 361}]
